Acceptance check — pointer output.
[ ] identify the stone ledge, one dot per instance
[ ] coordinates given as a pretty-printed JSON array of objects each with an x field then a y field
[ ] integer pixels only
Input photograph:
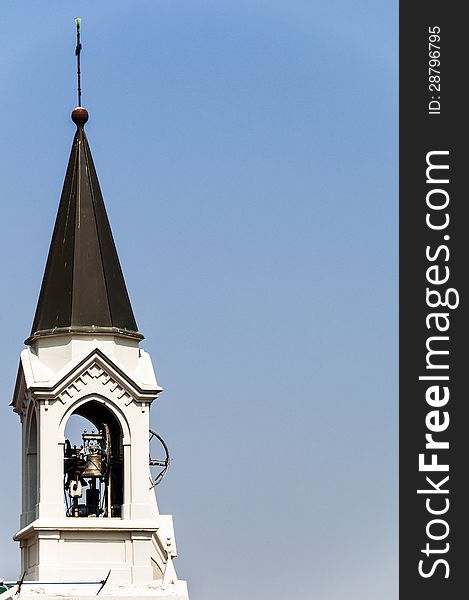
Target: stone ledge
[{"x": 156, "y": 589}]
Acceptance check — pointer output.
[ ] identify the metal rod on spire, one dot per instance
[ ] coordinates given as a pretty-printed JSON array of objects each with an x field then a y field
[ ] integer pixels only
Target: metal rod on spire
[{"x": 77, "y": 54}]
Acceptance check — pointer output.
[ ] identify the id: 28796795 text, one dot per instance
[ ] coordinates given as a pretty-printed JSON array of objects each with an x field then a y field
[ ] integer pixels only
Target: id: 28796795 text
[{"x": 434, "y": 75}]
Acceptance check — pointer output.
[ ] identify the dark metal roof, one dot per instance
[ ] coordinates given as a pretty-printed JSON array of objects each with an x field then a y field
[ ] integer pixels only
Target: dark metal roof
[{"x": 83, "y": 290}]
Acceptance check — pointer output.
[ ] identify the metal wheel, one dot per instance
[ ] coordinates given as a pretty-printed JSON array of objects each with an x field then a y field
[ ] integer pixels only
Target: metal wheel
[{"x": 158, "y": 466}]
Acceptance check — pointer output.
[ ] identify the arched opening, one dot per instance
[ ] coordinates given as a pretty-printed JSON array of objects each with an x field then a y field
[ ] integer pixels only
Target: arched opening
[
  {"x": 31, "y": 468},
  {"x": 93, "y": 462}
]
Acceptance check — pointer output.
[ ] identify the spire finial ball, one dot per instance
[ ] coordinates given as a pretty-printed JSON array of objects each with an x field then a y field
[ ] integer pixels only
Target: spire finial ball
[{"x": 79, "y": 115}]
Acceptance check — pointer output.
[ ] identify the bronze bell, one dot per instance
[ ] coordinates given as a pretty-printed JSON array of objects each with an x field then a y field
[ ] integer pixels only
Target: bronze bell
[{"x": 93, "y": 466}]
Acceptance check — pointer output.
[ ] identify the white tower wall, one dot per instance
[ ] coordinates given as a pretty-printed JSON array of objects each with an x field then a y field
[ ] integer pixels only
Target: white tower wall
[{"x": 57, "y": 376}]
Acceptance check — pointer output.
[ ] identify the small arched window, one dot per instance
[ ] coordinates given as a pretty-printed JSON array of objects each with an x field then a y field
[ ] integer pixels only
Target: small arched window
[{"x": 31, "y": 461}]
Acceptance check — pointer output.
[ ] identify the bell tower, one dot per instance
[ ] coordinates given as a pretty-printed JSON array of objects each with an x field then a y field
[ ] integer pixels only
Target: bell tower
[{"x": 88, "y": 503}]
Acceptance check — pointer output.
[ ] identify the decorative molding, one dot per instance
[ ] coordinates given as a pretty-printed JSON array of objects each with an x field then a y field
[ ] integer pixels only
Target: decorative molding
[
  {"x": 24, "y": 407},
  {"x": 97, "y": 373}
]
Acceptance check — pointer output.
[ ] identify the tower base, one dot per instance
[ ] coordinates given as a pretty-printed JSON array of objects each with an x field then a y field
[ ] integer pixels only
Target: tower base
[{"x": 156, "y": 590}]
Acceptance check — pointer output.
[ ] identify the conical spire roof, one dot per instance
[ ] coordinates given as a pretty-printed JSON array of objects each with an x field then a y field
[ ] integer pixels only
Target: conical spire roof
[{"x": 83, "y": 290}]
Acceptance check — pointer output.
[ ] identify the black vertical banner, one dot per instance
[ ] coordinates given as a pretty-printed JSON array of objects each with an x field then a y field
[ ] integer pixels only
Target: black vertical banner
[{"x": 434, "y": 270}]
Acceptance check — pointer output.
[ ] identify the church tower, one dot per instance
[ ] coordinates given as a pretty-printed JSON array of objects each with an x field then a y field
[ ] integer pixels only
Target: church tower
[{"x": 88, "y": 505}]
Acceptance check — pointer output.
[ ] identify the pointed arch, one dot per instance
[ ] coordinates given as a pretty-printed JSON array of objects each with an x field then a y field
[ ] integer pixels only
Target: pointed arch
[
  {"x": 76, "y": 408},
  {"x": 31, "y": 464},
  {"x": 102, "y": 414}
]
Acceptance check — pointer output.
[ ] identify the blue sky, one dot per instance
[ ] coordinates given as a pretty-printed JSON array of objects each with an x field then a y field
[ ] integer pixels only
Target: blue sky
[{"x": 247, "y": 153}]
